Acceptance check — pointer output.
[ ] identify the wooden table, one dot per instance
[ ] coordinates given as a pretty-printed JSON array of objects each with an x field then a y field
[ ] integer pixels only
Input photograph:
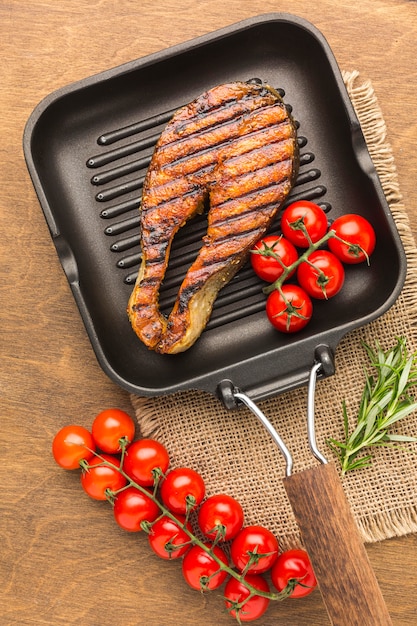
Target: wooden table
[{"x": 62, "y": 560}]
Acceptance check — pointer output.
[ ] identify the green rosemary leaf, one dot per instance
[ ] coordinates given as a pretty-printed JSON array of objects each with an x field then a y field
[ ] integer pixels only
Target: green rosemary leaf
[
  {"x": 376, "y": 409},
  {"x": 371, "y": 416},
  {"x": 400, "y": 414},
  {"x": 377, "y": 437},
  {"x": 356, "y": 435},
  {"x": 384, "y": 402},
  {"x": 345, "y": 419},
  {"x": 334, "y": 444},
  {"x": 403, "y": 438},
  {"x": 365, "y": 461},
  {"x": 404, "y": 377}
]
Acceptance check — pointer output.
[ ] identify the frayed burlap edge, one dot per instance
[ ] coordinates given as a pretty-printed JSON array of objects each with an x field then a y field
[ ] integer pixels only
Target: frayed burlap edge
[
  {"x": 400, "y": 522},
  {"x": 377, "y": 525}
]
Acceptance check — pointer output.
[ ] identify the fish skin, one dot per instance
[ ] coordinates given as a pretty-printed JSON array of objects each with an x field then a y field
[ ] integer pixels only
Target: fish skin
[{"x": 235, "y": 149}]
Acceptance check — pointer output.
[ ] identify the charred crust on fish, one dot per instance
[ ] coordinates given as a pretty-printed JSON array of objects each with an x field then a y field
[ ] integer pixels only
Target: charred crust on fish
[{"x": 234, "y": 150}]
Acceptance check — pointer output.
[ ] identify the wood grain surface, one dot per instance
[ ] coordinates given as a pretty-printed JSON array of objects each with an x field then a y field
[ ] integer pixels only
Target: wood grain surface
[
  {"x": 347, "y": 581},
  {"x": 62, "y": 559}
]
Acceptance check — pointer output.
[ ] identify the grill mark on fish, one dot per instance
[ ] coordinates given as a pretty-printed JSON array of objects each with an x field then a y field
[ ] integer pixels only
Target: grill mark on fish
[
  {"x": 187, "y": 193},
  {"x": 235, "y": 95},
  {"x": 215, "y": 117},
  {"x": 191, "y": 192},
  {"x": 204, "y": 132},
  {"x": 226, "y": 221},
  {"x": 241, "y": 227},
  {"x": 149, "y": 281},
  {"x": 245, "y": 165},
  {"x": 184, "y": 299},
  {"x": 179, "y": 150},
  {"x": 252, "y": 182},
  {"x": 244, "y": 159}
]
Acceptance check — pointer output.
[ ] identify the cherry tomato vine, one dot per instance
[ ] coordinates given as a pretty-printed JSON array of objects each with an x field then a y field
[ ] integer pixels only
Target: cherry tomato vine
[
  {"x": 147, "y": 495},
  {"x": 319, "y": 272}
]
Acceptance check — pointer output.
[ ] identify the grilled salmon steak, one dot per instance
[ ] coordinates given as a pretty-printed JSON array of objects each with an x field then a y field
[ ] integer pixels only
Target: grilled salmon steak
[{"x": 233, "y": 149}]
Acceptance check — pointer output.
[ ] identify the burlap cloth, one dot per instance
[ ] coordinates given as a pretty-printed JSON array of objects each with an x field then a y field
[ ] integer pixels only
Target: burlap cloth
[{"x": 234, "y": 453}]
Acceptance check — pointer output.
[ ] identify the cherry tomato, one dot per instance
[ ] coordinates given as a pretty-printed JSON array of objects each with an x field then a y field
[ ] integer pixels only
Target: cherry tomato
[
  {"x": 266, "y": 265},
  {"x": 110, "y": 427},
  {"x": 220, "y": 516},
  {"x": 201, "y": 571},
  {"x": 165, "y": 534},
  {"x": 322, "y": 276},
  {"x": 257, "y": 544},
  {"x": 182, "y": 490},
  {"x": 144, "y": 459},
  {"x": 71, "y": 444},
  {"x": 356, "y": 230},
  {"x": 300, "y": 215},
  {"x": 290, "y": 309},
  {"x": 236, "y": 592},
  {"x": 132, "y": 507},
  {"x": 292, "y": 566},
  {"x": 99, "y": 478}
]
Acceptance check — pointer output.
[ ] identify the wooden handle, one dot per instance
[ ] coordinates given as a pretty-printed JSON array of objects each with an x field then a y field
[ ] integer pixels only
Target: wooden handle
[{"x": 345, "y": 577}]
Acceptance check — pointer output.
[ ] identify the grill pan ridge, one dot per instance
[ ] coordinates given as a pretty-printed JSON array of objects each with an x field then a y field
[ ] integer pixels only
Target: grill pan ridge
[{"x": 88, "y": 146}]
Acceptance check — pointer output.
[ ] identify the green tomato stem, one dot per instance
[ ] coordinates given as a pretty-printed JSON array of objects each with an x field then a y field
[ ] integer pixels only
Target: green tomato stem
[
  {"x": 288, "y": 269},
  {"x": 303, "y": 257},
  {"x": 282, "y": 595}
]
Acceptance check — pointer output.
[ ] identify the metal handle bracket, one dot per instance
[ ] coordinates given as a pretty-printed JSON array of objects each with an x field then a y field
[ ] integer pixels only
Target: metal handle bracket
[{"x": 232, "y": 397}]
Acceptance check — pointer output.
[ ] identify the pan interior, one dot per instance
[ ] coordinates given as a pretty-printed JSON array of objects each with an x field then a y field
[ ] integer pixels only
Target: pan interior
[{"x": 91, "y": 146}]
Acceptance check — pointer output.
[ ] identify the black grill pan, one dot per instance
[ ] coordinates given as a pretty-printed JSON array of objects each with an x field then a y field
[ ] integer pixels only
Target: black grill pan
[{"x": 87, "y": 148}]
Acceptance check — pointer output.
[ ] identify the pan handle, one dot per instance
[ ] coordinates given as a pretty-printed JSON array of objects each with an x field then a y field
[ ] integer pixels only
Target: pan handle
[
  {"x": 330, "y": 535},
  {"x": 346, "y": 579}
]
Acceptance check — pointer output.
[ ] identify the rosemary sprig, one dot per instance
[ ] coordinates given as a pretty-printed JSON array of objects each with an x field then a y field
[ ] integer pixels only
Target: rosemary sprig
[{"x": 385, "y": 401}]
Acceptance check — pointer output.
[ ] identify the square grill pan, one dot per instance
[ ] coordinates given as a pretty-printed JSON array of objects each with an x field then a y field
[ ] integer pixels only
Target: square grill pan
[{"x": 87, "y": 147}]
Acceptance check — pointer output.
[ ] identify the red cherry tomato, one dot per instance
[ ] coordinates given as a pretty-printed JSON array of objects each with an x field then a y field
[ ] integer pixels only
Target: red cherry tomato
[
  {"x": 182, "y": 490},
  {"x": 166, "y": 534},
  {"x": 322, "y": 276},
  {"x": 220, "y": 516},
  {"x": 266, "y": 265},
  {"x": 356, "y": 230},
  {"x": 144, "y": 459},
  {"x": 71, "y": 444},
  {"x": 291, "y": 567},
  {"x": 257, "y": 544},
  {"x": 235, "y": 592},
  {"x": 110, "y": 427},
  {"x": 132, "y": 507},
  {"x": 99, "y": 478},
  {"x": 201, "y": 571},
  {"x": 303, "y": 215},
  {"x": 290, "y": 309}
]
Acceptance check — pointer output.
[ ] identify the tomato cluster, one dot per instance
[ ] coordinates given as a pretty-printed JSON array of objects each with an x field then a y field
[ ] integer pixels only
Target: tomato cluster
[
  {"x": 134, "y": 475},
  {"x": 314, "y": 254}
]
